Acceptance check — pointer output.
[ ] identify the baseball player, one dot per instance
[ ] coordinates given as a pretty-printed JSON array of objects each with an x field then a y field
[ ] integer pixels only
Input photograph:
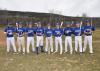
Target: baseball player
[
  {"x": 39, "y": 37},
  {"x": 30, "y": 37},
  {"x": 68, "y": 39},
  {"x": 20, "y": 39},
  {"x": 88, "y": 36},
  {"x": 78, "y": 30},
  {"x": 49, "y": 39},
  {"x": 9, "y": 31},
  {"x": 58, "y": 32}
]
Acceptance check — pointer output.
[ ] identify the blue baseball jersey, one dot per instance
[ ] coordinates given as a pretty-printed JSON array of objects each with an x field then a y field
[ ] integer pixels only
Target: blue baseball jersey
[
  {"x": 88, "y": 30},
  {"x": 9, "y": 31},
  {"x": 30, "y": 32},
  {"x": 58, "y": 32},
  {"x": 78, "y": 31},
  {"x": 20, "y": 31},
  {"x": 68, "y": 31},
  {"x": 48, "y": 32},
  {"x": 39, "y": 31}
]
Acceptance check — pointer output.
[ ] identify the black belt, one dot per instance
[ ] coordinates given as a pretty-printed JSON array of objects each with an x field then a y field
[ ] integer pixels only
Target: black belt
[{"x": 88, "y": 34}]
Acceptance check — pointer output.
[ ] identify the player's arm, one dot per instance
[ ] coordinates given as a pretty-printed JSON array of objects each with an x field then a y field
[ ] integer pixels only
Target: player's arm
[
  {"x": 62, "y": 31},
  {"x": 93, "y": 28},
  {"x": 24, "y": 32},
  {"x": 82, "y": 30}
]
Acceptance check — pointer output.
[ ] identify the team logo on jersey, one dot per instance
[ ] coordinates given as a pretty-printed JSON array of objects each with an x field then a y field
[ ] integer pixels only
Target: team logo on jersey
[
  {"x": 58, "y": 32},
  {"x": 49, "y": 32},
  {"x": 9, "y": 32},
  {"x": 30, "y": 31}
]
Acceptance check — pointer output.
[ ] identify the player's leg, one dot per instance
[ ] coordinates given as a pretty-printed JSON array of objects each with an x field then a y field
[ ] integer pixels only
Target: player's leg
[
  {"x": 13, "y": 44},
  {"x": 60, "y": 42},
  {"x": 70, "y": 45},
  {"x": 85, "y": 43},
  {"x": 56, "y": 44},
  {"x": 51, "y": 44},
  {"x": 90, "y": 44},
  {"x": 28, "y": 44},
  {"x": 41, "y": 44},
  {"x": 23, "y": 44},
  {"x": 49, "y": 48},
  {"x": 19, "y": 44},
  {"x": 32, "y": 42},
  {"x": 46, "y": 48},
  {"x": 8, "y": 44},
  {"x": 65, "y": 44},
  {"x": 76, "y": 44},
  {"x": 37, "y": 44},
  {"x": 80, "y": 44}
]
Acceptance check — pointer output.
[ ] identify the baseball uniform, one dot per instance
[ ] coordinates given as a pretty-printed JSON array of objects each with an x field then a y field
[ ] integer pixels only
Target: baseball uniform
[
  {"x": 88, "y": 37},
  {"x": 68, "y": 39},
  {"x": 10, "y": 38}
]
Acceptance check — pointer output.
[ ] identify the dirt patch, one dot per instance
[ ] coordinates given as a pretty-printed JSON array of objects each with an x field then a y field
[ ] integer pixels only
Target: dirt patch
[{"x": 2, "y": 39}]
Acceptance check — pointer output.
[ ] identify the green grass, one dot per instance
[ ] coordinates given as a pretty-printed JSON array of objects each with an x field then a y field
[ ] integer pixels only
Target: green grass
[{"x": 52, "y": 62}]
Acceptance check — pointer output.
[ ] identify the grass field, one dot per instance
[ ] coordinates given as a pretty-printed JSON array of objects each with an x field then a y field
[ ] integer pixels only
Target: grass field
[{"x": 52, "y": 62}]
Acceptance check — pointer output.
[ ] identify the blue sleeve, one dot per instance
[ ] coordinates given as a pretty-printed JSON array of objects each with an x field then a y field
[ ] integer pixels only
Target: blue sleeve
[
  {"x": 43, "y": 30},
  {"x": 93, "y": 28},
  {"x": 53, "y": 32},
  {"x": 26, "y": 30},
  {"x": 62, "y": 31},
  {"x": 82, "y": 29},
  {"x": 34, "y": 29},
  {"x": 14, "y": 29},
  {"x": 73, "y": 30}
]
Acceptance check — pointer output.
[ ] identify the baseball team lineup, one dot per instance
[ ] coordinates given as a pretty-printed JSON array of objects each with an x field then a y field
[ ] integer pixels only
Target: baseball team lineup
[{"x": 52, "y": 45}]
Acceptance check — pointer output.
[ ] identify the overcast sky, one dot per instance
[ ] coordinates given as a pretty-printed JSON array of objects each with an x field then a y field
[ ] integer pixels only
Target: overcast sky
[{"x": 66, "y": 7}]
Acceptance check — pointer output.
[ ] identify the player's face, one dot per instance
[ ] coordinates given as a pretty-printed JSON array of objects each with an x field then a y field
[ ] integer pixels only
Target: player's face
[
  {"x": 39, "y": 25},
  {"x": 57, "y": 26},
  {"x": 30, "y": 25},
  {"x": 68, "y": 25},
  {"x": 49, "y": 27},
  {"x": 20, "y": 25},
  {"x": 88, "y": 24}
]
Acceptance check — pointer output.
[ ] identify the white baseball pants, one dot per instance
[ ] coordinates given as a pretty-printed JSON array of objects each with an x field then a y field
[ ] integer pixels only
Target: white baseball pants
[
  {"x": 30, "y": 41},
  {"x": 88, "y": 40},
  {"x": 39, "y": 41},
  {"x": 21, "y": 43},
  {"x": 58, "y": 40},
  {"x": 11, "y": 41},
  {"x": 49, "y": 44},
  {"x": 68, "y": 41},
  {"x": 78, "y": 42}
]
